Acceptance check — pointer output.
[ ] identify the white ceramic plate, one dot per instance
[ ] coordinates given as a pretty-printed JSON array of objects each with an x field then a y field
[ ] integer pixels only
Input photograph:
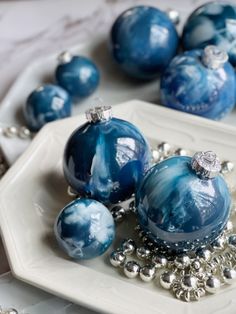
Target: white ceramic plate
[{"x": 34, "y": 190}]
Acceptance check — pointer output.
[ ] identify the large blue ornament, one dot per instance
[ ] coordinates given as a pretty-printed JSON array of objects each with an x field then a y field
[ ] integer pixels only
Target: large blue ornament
[
  {"x": 212, "y": 24},
  {"x": 200, "y": 82},
  {"x": 182, "y": 203},
  {"x": 105, "y": 158},
  {"x": 45, "y": 104},
  {"x": 78, "y": 75},
  {"x": 84, "y": 229},
  {"x": 143, "y": 41}
]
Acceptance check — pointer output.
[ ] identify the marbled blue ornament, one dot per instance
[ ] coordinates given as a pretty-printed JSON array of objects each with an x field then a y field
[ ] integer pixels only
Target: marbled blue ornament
[
  {"x": 212, "y": 23},
  {"x": 192, "y": 86},
  {"x": 105, "y": 160},
  {"x": 143, "y": 41},
  {"x": 46, "y": 104},
  {"x": 180, "y": 210},
  {"x": 84, "y": 229},
  {"x": 78, "y": 75}
]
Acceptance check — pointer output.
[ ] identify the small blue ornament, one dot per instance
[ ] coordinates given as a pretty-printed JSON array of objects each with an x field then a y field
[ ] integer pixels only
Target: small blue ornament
[
  {"x": 84, "y": 229},
  {"x": 78, "y": 75},
  {"x": 143, "y": 41},
  {"x": 212, "y": 23},
  {"x": 201, "y": 82},
  {"x": 183, "y": 203},
  {"x": 106, "y": 157},
  {"x": 46, "y": 104}
]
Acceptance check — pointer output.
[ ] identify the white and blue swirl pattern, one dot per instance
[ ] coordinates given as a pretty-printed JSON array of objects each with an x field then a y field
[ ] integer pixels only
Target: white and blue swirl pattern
[{"x": 84, "y": 229}]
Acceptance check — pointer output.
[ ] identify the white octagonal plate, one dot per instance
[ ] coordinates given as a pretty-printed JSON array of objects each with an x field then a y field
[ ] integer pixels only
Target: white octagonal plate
[{"x": 34, "y": 190}]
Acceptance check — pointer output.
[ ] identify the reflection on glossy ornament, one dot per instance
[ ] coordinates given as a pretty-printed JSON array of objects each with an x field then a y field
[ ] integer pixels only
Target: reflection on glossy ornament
[
  {"x": 106, "y": 157},
  {"x": 84, "y": 229},
  {"x": 46, "y": 104},
  {"x": 183, "y": 203},
  {"x": 200, "y": 82},
  {"x": 78, "y": 75},
  {"x": 143, "y": 40},
  {"x": 212, "y": 24}
]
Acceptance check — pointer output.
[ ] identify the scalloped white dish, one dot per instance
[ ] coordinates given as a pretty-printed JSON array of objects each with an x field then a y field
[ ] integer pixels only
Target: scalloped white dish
[{"x": 34, "y": 190}]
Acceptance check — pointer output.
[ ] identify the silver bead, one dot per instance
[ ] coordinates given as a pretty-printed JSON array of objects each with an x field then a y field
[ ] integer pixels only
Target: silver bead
[
  {"x": 219, "y": 244},
  {"x": 11, "y": 131},
  {"x": 143, "y": 253},
  {"x": 155, "y": 155},
  {"x": 180, "y": 152},
  {"x": 229, "y": 227},
  {"x": 167, "y": 279},
  {"x": 206, "y": 164},
  {"x": 159, "y": 261},
  {"x": 196, "y": 265},
  {"x": 189, "y": 282},
  {"x": 182, "y": 261},
  {"x": 147, "y": 272},
  {"x": 164, "y": 148},
  {"x": 204, "y": 254},
  {"x": 131, "y": 269},
  {"x": 118, "y": 213},
  {"x": 64, "y": 57},
  {"x": 229, "y": 275},
  {"x": 117, "y": 258},
  {"x": 101, "y": 113},
  {"x": 24, "y": 132},
  {"x": 232, "y": 242},
  {"x": 212, "y": 284},
  {"x": 173, "y": 16},
  {"x": 214, "y": 57},
  {"x": 227, "y": 166},
  {"x": 128, "y": 246}
]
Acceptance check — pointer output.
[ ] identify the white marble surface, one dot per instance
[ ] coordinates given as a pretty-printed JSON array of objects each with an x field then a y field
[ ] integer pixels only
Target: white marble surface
[{"x": 33, "y": 29}]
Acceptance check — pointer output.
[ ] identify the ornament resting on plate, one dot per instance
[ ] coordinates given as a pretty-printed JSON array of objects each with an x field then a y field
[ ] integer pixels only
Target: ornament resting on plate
[
  {"x": 200, "y": 82},
  {"x": 183, "y": 203},
  {"x": 76, "y": 74},
  {"x": 212, "y": 23},
  {"x": 106, "y": 157},
  {"x": 84, "y": 229},
  {"x": 45, "y": 104},
  {"x": 143, "y": 41}
]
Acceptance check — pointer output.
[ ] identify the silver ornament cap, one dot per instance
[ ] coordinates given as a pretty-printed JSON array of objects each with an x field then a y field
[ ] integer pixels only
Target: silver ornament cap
[
  {"x": 98, "y": 114},
  {"x": 214, "y": 58},
  {"x": 206, "y": 164}
]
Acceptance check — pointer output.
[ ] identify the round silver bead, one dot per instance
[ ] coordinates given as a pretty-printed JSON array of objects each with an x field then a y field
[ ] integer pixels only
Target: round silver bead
[
  {"x": 147, "y": 273},
  {"x": 228, "y": 275},
  {"x": 11, "y": 131},
  {"x": 206, "y": 164},
  {"x": 164, "y": 148},
  {"x": 101, "y": 113},
  {"x": 167, "y": 279},
  {"x": 182, "y": 261},
  {"x": 117, "y": 258},
  {"x": 118, "y": 213},
  {"x": 213, "y": 57},
  {"x": 159, "y": 260},
  {"x": 204, "y": 254},
  {"x": 155, "y": 155},
  {"x": 189, "y": 282},
  {"x": 173, "y": 16},
  {"x": 128, "y": 246},
  {"x": 180, "y": 152},
  {"x": 24, "y": 132},
  {"x": 227, "y": 166},
  {"x": 131, "y": 269},
  {"x": 143, "y": 253},
  {"x": 64, "y": 57},
  {"x": 232, "y": 242},
  {"x": 212, "y": 284},
  {"x": 219, "y": 244}
]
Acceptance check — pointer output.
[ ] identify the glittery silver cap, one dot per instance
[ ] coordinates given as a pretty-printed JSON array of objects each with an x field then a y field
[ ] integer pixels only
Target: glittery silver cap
[
  {"x": 101, "y": 113},
  {"x": 213, "y": 57},
  {"x": 173, "y": 16},
  {"x": 206, "y": 164},
  {"x": 64, "y": 57}
]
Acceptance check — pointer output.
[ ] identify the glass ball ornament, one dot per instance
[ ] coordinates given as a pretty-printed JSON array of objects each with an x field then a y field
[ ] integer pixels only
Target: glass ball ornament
[
  {"x": 183, "y": 203},
  {"x": 212, "y": 23},
  {"x": 84, "y": 229},
  {"x": 106, "y": 157},
  {"x": 45, "y": 104},
  {"x": 143, "y": 40},
  {"x": 200, "y": 82},
  {"x": 78, "y": 75}
]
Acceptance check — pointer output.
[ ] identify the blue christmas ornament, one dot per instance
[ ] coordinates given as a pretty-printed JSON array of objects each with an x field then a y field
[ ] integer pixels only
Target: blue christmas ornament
[
  {"x": 84, "y": 229},
  {"x": 143, "y": 41},
  {"x": 212, "y": 24},
  {"x": 200, "y": 82},
  {"x": 78, "y": 75},
  {"x": 106, "y": 157},
  {"x": 183, "y": 203},
  {"x": 45, "y": 104}
]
